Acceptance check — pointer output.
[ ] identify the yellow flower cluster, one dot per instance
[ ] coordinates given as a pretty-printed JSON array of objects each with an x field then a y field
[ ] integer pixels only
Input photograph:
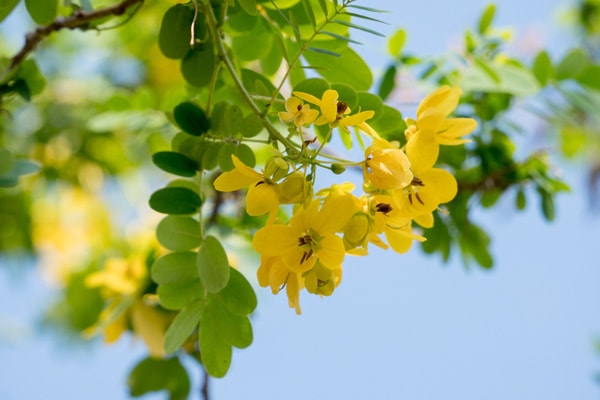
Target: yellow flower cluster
[{"x": 401, "y": 185}]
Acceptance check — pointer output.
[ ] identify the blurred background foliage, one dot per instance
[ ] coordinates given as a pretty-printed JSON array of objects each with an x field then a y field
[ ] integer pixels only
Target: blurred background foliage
[{"x": 81, "y": 119}]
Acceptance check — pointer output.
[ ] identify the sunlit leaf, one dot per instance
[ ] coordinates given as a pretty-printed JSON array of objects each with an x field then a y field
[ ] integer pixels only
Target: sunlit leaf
[
  {"x": 175, "y": 296},
  {"x": 396, "y": 42},
  {"x": 215, "y": 352},
  {"x": 388, "y": 82},
  {"x": 178, "y": 233},
  {"x": 542, "y": 67},
  {"x": 248, "y": 5},
  {"x": 486, "y": 18},
  {"x": 238, "y": 296},
  {"x": 174, "y": 268},
  {"x": 213, "y": 266},
  {"x": 183, "y": 325},
  {"x": 349, "y": 68}
]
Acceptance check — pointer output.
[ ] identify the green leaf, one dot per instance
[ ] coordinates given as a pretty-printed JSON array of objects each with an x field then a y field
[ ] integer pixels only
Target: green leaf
[
  {"x": 510, "y": 79},
  {"x": 175, "y": 296},
  {"x": 359, "y": 27},
  {"x": 338, "y": 37},
  {"x": 175, "y": 163},
  {"x": 6, "y": 8},
  {"x": 520, "y": 200},
  {"x": 198, "y": 65},
  {"x": 388, "y": 82},
  {"x": 349, "y": 68},
  {"x": 572, "y": 64},
  {"x": 251, "y": 126},
  {"x": 7, "y": 161},
  {"x": 546, "y": 204},
  {"x": 183, "y": 325},
  {"x": 324, "y": 51},
  {"x": 213, "y": 266},
  {"x": 253, "y": 45},
  {"x": 191, "y": 118},
  {"x": 33, "y": 77},
  {"x": 175, "y": 31},
  {"x": 42, "y": 11},
  {"x": 486, "y": 19},
  {"x": 155, "y": 374},
  {"x": 248, "y": 5},
  {"x": 368, "y": 101},
  {"x": 590, "y": 77},
  {"x": 271, "y": 62},
  {"x": 396, "y": 43},
  {"x": 238, "y": 296},
  {"x": 347, "y": 94},
  {"x": 178, "y": 233},
  {"x": 235, "y": 330},
  {"x": 391, "y": 121},
  {"x": 224, "y": 156},
  {"x": 215, "y": 352},
  {"x": 314, "y": 86},
  {"x": 175, "y": 200},
  {"x": 309, "y": 12},
  {"x": 542, "y": 67},
  {"x": 175, "y": 268},
  {"x": 245, "y": 154}
]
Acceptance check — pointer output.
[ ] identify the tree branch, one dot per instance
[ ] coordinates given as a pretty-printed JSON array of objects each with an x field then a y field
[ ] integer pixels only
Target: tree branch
[{"x": 77, "y": 20}]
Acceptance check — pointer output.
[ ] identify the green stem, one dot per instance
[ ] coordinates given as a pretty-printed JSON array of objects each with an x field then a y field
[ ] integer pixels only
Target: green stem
[
  {"x": 303, "y": 47},
  {"x": 218, "y": 39}
]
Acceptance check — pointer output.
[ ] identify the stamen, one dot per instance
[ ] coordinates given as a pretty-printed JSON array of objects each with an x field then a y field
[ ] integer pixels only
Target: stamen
[
  {"x": 410, "y": 197},
  {"x": 417, "y": 182},
  {"x": 299, "y": 107},
  {"x": 383, "y": 208},
  {"x": 342, "y": 106},
  {"x": 418, "y": 198}
]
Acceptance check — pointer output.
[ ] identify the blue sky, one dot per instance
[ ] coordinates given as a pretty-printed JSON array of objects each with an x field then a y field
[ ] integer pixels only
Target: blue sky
[{"x": 399, "y": 327}]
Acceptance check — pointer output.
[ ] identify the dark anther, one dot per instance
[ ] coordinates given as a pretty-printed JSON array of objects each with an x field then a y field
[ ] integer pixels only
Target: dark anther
[
  {"x": 383, "y": 208},
  {"x": 299, "y": 107},
  {"x": 306, "y": 239},
  {"x": 418, "y": 198},
  {"x": 410, "y": 198},
  {"x": 417, "y": 182},
  {"x": 342, "y": 106}
]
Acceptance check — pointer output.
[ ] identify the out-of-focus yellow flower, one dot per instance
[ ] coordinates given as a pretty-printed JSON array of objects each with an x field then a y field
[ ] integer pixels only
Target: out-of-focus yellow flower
[
  {"x": 300, "y": 114},
  {"x": 122, "y": 282},
  {"x": 386, "y": 166}
]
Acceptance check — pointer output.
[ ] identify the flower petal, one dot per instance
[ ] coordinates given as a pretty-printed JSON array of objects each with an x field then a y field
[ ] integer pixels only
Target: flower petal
[
  {"x": 357, "y": 119},
  {"x": 440, "y": 182},
  {"x": 261, "y": 199},
  {"x": 422, "y": 150},
  {"x": 275, "y": 240},
  {"x": 445, "y": 99},
  {"x": 308, "y": 97},
  {"x": 332, "y": 251},
  {"x": 329, "y": 104},
  {"x": 334, "y": 214}
]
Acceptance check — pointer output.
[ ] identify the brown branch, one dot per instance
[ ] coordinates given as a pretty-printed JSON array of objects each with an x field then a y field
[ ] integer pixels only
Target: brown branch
[{"x": 77, "y": 20}]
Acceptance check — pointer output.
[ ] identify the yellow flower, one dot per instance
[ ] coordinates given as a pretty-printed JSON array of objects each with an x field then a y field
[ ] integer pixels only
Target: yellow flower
[
  {"x": 386, "y": 166},
  {"x": 262, "y": 194},
  {"x": 425, "y": 193},
  {"x": 272, "y": 272},
  {"x": 432, "y": 127},
  {"x": 322, "y": 280},
  {"x": 336, "y": 112},
  {"x": 119, "y": 276},
  {"x": 300, "y": 113},
  {"x": 309, "y": 236},
  {"x": 389, "y": 220}
]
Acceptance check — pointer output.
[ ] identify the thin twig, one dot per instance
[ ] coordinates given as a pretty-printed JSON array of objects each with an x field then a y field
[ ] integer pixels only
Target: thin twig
[
  {"x": 77, "y": 20},
  {"x": 204, "y": 388}
]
